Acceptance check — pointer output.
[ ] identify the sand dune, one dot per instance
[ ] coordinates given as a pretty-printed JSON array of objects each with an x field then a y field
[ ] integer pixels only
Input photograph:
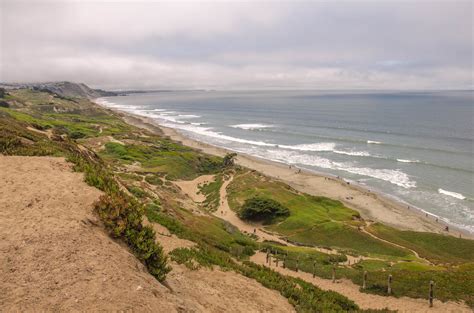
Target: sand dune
[{"x": 55, "y": 255}]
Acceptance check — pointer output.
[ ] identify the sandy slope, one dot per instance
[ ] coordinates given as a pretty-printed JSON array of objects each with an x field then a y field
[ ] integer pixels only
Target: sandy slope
[{"x": 54, "y": 257}]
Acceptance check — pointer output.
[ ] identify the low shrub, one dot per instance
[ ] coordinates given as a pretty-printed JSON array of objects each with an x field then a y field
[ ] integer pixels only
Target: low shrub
[
  {"x": 123, "y": 217},
  {"x": 262, "y": 209}
]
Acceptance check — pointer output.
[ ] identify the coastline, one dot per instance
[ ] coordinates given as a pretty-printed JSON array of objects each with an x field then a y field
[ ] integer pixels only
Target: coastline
[{"x": 372, "y": 205}]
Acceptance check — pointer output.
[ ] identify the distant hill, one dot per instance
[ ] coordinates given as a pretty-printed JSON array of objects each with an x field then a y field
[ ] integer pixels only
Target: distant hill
[{"x": 64, "y": 89}]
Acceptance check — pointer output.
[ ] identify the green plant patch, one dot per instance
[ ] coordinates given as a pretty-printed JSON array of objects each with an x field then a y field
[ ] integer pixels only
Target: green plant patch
[{"x": 437, "y": 248}]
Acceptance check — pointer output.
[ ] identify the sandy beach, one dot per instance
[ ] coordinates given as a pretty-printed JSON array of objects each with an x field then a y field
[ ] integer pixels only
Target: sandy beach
[{"x": 373, "y": 206}]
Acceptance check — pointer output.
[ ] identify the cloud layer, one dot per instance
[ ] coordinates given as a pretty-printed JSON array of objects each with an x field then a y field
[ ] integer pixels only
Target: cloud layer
[{"x": 235, "y": 45}]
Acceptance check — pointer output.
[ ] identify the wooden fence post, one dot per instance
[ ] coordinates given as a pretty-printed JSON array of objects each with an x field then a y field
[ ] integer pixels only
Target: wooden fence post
[
  {"x": 334, "y": 273},
  {"x": 314, "y": 269},
  {"x": 431, "y": 293},
  {"x": 389, "y": 284},
  {"x": 284, "y": 261},
  {"x": 297, "y": 263},
  {"x": 364, "y": 280}
]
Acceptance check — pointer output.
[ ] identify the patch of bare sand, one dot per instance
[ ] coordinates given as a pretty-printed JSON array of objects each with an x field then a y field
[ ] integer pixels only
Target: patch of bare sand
[
  {"x": 191, "y": 187},
  {"x": 219, "y": 291},
  {"x": 53, "y": 257}
]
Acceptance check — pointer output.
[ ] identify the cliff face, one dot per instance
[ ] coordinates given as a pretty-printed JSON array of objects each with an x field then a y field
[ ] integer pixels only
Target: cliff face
[{"x": 64, "y": 89}]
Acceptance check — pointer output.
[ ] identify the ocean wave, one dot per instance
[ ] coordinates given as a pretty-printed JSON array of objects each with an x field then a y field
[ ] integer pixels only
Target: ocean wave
[
  {"x": 322, "y": 146},
  {"x": 207, "y": 131},
  {"x": 188, "y": 116},
  {"x": 252, "y": 126},
  {"x": 451, "y": 194},
  {"x": 374, "y": 142},
  {"x": 355, "y": 153},
  {"x": 396, "y": 177},
  {"x": 408, "y": 161}
]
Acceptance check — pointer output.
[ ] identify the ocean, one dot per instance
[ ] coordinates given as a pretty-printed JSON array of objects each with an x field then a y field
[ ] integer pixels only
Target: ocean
[{"x": 414, "y": 146}]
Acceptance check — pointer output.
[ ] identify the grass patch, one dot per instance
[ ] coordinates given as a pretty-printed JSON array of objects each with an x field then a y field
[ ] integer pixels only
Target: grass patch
[
  {"x": 211, "y": 191},
  {"x": 165, "y": 157},
  {"x": 437, "y": 248},
  {"x": 316, "y": 221}
]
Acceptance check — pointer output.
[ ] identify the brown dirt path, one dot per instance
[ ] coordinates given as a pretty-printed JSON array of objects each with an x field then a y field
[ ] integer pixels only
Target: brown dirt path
[
  {"x": 364, "y": 300},
  {"x": 344, "y": 287},
  {"x": 191, "y": 187}
]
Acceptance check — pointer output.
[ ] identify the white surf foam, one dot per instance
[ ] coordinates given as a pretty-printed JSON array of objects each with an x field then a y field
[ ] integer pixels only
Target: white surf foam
[
  {"x": 374, "y": 142},
  {"x": 185, "y": 116},
  {"x": 353, "y": 153},
  {"x": 407, "y": 161},
  {"x": 322, "y": 146},
  {"x": 395, "y": 177},
  {"x": 252, "y": 126},
  {"x": 207, "y": 131},
  {"x": 451, "y": 194}
]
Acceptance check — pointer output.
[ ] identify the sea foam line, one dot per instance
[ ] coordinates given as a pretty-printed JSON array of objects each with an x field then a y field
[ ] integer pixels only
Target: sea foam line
[
  {"x": 252, "y": 126},
  {"x": 451, "y": 194}
]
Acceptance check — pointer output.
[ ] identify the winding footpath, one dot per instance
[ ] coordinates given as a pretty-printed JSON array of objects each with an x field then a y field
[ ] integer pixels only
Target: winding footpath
[{"x": 342, "y": 286}]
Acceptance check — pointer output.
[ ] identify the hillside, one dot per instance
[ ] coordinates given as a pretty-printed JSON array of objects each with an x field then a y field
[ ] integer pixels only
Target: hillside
[
  {"x": 63, "y": 89},
  {"x": 175, "y": 210}
]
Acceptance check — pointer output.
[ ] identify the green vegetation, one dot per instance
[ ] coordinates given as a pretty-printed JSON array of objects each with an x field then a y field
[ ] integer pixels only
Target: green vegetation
[
  {"x": 164, "y": 157},
  {"x": 304, "y": 296},
  {"x": 262, "y": 209},
  {"x": 123, "y": 216},
  {"x": 229, "y": 159},
  {"x": 313, "y": 221},
  {"x": 212, "y": 192},
  {"x": 440, "y": 249}
]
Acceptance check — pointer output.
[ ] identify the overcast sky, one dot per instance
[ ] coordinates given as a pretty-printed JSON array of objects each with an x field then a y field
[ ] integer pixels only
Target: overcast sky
[{"x": 236, "y": 45}]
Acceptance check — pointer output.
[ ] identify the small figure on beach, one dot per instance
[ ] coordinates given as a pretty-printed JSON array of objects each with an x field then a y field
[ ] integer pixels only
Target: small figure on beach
[
  {"x": 254, "y": 230},
  {"x": 436, "y": 220},
  {"x": 446, "y": 228}
]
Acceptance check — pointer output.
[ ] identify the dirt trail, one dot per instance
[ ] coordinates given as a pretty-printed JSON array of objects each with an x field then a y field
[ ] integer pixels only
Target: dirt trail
[
  {"x": 191, "y": 187},
  {"x": 55, "y": 256},
  {"x": 364, "y": 300},
  {"x": 396, "y": 245},
  {"x": 224, "y": 212},
  {"x": 344, "y": 287}
]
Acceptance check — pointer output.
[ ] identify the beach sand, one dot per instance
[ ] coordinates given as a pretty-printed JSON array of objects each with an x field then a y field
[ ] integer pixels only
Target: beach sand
[{"x": 373, "y": 206}]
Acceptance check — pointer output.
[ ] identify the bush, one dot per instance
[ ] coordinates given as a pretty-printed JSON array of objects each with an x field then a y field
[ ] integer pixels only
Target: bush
[
  {"x": 77, "y": 135},
  {"x": 262, "y": 209},
  {"x": 123, "y": 217}
]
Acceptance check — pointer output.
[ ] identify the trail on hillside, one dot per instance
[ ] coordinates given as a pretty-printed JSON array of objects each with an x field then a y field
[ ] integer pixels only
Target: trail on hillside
[
  {"x": 365, "y": 300},
  {"x": 344, "y": 287}
]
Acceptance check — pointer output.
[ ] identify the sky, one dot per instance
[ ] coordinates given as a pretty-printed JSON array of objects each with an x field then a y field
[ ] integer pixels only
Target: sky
[{"x": 350, "y": 44}]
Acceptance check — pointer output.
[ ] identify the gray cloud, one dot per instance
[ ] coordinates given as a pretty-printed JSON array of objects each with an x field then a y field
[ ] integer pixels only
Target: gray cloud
[{"x": 327, "y": 45}]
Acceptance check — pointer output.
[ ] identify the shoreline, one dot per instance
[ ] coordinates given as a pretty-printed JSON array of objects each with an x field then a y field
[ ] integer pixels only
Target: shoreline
[{"x": 372, "y": 205}]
